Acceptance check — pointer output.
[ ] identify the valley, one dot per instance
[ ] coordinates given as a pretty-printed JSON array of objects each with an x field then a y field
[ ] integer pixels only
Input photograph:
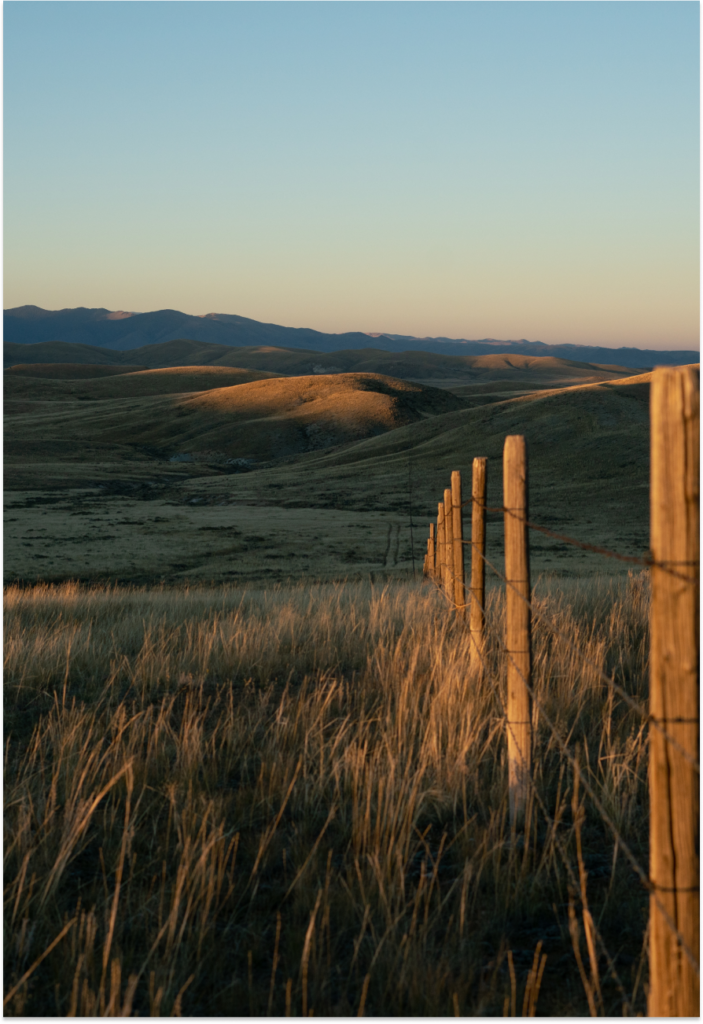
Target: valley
[{"x": 202, "y": 473}]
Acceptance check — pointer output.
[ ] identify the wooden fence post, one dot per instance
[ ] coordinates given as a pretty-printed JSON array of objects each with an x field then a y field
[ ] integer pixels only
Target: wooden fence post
[
  {"x": 432, "y": 550},
  {"x": 477, "y": 621},
  {"x": 674, "y": 660},
  {"x": 440, "y": 544},
  {"x": 517, "y": 625},
  {"x": 448, "y": 545},
  {"x": 458, "y": 531}
]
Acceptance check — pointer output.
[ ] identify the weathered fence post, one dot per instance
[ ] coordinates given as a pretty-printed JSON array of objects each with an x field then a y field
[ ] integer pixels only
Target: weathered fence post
[
  {"x": 448, "y": 545},
  {"x": 517, "y": 624},
  {"x": 674, "y": 662},
  {"x": 432, "y": 551},
  {"x": 440, "y": 544},
  {"x": 458, "y": 531},
  {"x": 477, "y": 621}
]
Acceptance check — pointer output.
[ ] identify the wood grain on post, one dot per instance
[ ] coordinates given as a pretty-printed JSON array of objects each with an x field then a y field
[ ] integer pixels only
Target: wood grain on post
[
  {"x": 477, "y": 620},
  {"x": 517, "y": 625},
  {"x": 674, "y": 662},
  {"x": 458, "y": 531},
  {"x": 432, "y": 549},
  {"x": 448, "y": 545},
  {"x": 439, "y": 568}
]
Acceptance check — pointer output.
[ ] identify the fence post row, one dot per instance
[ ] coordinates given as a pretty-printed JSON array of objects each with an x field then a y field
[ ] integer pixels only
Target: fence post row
[
  {"x": 674, "y": 662},
  {"x": 449, "y": 573}
]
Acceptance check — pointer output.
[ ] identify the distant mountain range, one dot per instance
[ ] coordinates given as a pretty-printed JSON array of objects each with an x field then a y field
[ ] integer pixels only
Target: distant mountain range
[{"x": 122, "y": 331}]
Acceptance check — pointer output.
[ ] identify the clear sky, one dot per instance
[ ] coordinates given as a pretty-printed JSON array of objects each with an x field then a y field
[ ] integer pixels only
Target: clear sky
[{"x": 465, "y": 169}]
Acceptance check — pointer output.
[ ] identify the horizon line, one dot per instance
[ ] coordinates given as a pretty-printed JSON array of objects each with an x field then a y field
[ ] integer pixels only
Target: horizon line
[{"x": 370, "y": 334}]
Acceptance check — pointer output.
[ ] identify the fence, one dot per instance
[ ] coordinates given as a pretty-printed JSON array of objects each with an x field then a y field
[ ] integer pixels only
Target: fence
[{"x": 673, "y": 716}]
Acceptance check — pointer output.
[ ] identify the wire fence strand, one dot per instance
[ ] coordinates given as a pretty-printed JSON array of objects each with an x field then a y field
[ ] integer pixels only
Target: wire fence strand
[
  {"x": 669, "y": 567},
  {"x": 567, "y": 755},
  {"x": 644, "y": 877},
  {"x": 550, "y": 821},
  {"x": 607, "y": 680},
  {"x": 645, "y": 561}
]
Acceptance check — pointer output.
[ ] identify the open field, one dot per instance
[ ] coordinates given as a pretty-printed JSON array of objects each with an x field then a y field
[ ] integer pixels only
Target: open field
[
  {"x": 249, "y": 768},
  {"x": 293, "y": 801},
  {"x": 178, "y": 474}
]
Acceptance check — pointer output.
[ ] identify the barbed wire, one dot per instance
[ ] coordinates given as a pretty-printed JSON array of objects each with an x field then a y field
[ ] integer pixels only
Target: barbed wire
[
  {"x": 550, "y": 821},
  {"x": 562, "y": 851},
  {"x": 450, "y": 579},
  {"x": 566, "y": 754},
  {"x": 607, "y": 680},
  {"x": 585, "y": 546},
  {"x": 604, "y": 678},
  {"x": 644, "y": 877}
]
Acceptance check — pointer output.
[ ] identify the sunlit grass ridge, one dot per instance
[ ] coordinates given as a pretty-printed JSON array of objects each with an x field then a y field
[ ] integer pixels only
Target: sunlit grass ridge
[{"x": 295, "y": 799}]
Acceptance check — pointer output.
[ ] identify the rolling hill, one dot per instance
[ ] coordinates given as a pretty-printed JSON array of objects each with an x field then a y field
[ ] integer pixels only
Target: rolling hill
[
  {"x": 426, "y": 366},
  {"x": 259, "y": 421}
]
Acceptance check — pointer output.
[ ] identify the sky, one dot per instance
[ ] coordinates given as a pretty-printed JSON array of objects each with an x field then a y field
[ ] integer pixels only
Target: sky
[{"x": 461, "y": 169}]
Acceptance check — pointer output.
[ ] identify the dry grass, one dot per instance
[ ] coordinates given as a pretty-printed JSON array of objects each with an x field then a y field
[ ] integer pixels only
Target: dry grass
[
  {"x": 293, "y": 800},
  {"x": 273, "y": 418},
  {"x": 25, "y": 382}
]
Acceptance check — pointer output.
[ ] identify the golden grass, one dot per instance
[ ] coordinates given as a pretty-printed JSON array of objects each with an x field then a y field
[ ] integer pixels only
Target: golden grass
[{"x": 293, "y": 800}]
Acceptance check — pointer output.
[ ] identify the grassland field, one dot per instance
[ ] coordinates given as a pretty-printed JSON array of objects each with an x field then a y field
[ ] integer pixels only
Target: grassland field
[
  {"x": 293, "y": 799},
  {"x": 249, "y": 767}
]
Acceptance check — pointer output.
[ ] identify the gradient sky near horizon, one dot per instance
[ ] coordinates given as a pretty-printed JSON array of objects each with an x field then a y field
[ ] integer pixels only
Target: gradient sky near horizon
[{"x": 460, "y": 169}]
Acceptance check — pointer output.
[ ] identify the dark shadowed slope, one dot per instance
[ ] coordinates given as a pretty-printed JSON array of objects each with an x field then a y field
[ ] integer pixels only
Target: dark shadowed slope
[
  {"x": 66, "y": 371},
  {"x": 27, "y": 386}
]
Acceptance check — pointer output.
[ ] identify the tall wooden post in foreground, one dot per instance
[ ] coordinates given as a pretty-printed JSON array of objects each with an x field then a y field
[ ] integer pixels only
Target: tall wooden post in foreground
[
  {"x": 674, "y": 660},
  {"x": 477, "y": 621},
  {"x": 431, "y": 551},
  {"x": 448, "y": 545},
  {"x": 439, "y": 567},
  {"x": 517, "y": 624},
  {"x": 458, "y": 532}
]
